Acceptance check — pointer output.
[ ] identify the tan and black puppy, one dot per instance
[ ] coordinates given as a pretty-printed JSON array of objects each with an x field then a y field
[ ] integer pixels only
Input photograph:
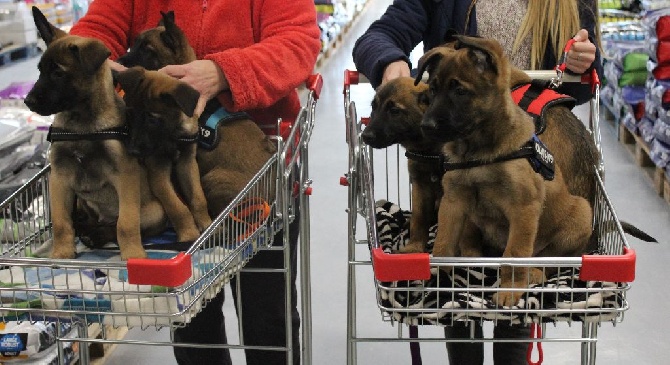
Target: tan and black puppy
[
  {"x": 164, "y": 133},
  {"x": 88, "y": 157},
  {"x": 163, "y": 45},
  {"x": 397, "y": 110},
  {"x": 241, "y": 147},
  {"x": 492, "y": 192}
]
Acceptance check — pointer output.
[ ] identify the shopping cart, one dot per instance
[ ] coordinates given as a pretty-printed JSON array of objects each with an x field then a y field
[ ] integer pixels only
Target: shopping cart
[
  {"x": 99, "y": 291},
  {"x": 411, "y": 290}
]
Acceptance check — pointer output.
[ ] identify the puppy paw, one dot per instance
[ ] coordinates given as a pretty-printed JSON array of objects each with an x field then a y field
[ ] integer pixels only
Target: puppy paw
[
  {"x": 133, "y": 253},
  {"x": 62, "y": 253},
  {"x": 535, "y": 276},
  {"x": 413, "y": 247},
  {"x": 188, "y": 235},
  {"x": 507, "y": 298}
]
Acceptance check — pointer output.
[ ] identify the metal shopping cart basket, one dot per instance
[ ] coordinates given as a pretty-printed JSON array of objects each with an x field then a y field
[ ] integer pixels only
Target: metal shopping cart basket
[
  {"x": 98, "y": 293},
  {"x": 411, "y": 290}
]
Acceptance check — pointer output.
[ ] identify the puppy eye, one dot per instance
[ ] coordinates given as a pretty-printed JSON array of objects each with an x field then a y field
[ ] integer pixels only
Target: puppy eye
[
  {"x": 432, "y": 89},
  {"x": 457, "y": 87},
  {"x": 394, "y": 110}
]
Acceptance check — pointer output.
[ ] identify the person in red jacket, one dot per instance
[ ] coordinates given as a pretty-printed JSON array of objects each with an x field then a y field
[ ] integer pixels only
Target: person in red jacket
[{"x": 252, "y": 55}]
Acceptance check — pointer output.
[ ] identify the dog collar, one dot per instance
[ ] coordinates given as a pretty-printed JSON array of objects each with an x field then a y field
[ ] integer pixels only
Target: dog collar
[
  {"x": 56, "y": 134},
  {"x": 534, "y": 150},
  {"x": 436, "y": 159}
]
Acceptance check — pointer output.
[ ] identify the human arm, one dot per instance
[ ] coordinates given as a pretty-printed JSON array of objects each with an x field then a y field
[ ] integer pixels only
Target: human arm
[
  {"x": 109, "y": 21},
  {"x": 390, "y": 38},
  {"x": 287, "y": 43}
]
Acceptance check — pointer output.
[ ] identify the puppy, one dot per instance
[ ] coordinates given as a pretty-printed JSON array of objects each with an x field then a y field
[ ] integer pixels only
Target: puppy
[
  {"x": 163, "y": 45},
  {"x": 241, "y": 148},
  {"x": 164, "y": 132},
  {"x": 492, "y": 192},
  {"x": 397, "y": 110},
  {"x": 89, "y": 161}
]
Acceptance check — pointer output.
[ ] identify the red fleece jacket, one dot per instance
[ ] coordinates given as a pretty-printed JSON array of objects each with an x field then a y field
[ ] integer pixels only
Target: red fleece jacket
[{"x": 266, "y": 48}]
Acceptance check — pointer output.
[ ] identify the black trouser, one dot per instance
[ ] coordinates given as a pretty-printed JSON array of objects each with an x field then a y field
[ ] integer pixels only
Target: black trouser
[
  {"x": 263, "y": 313},
  {"x": 511, "y": 353}
]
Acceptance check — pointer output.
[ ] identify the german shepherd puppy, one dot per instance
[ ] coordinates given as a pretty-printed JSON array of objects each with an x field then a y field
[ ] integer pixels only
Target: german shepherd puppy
[
  {"x": 75, "y": 83},
  {"x": 164, "y": 133},
  {"x": 490, "y": 196},
  {"x": 242, "y": 148},
  {"x": 157, "y": 47},
  {"x": 397, "y": 110}
]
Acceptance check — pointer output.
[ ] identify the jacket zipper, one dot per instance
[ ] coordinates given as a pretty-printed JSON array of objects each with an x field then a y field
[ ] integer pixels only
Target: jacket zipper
[{"x": 204, "y": 5}]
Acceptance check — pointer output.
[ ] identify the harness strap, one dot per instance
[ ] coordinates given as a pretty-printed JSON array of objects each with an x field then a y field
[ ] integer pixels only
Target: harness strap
[
  {"x": 537, "y": 154},
  {"x": 524, "y": 152},
  {"x": 535, "y": 98},
  {"x": 56, "y": 134}
]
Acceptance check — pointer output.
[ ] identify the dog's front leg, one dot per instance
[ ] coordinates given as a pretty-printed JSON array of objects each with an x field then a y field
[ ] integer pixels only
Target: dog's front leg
[
  {"x": 128, "y": 231},
  {"x": 523, "y": 226},
  {"x": 61, "y": 201},
  {"x": 162, "y": 187},
  {"x": 451, "y": 220},
  {"x": 423, "y": 207},
  {"x": 188, "y": 175}
]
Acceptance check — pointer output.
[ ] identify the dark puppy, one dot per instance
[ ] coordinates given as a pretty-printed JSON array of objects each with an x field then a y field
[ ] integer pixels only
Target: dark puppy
[
  {"x": 397, "y": 111},
  {"x": 242, "y": 148},
  {"x": 491, "y": 197},
  {"x": 89, "y": 161},
  {"x": 164, "y": 134},
  {"x": 157, "y": 47}
]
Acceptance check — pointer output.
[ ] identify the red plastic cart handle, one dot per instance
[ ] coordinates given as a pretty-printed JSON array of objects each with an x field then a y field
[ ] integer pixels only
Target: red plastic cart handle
[
  {"x": 315, "y": 83},
  {"x": 613, "y": 268},
  {"x": 396, "y": 267},
  {"x": 169, "y": 273},
  {"x": 351, "y": 78}
]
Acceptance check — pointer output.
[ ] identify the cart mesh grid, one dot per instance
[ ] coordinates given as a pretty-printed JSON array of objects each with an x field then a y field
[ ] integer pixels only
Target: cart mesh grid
[{"x": 588, "y": 290}]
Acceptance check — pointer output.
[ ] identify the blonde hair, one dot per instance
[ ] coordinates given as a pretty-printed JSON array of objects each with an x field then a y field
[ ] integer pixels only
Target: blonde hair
[{"x": 555, "y": 20}]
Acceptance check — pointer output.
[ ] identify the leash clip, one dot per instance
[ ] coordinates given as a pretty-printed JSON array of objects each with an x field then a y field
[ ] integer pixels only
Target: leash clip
[{"x": 557, "y": 81}]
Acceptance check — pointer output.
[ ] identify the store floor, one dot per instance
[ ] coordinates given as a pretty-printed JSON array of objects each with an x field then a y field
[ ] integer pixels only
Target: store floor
[{"x": 639, "y": 339}]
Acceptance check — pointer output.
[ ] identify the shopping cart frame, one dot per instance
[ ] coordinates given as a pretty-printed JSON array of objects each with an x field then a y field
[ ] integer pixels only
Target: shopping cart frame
[
  {"x": 279, "y": 184},
  {"x": 360, "y": 179}
]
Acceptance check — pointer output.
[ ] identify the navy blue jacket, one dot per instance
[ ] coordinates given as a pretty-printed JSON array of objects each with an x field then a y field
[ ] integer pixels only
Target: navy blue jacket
[{"x": 406, "y": 23}]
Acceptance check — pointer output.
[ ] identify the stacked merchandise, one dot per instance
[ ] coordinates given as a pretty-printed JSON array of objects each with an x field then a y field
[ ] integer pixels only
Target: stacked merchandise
[
  {"x": 35, "y": 343},
  {"x": 657, "y": 109},
  {"x": 333, "y": 17},
  {"x": 625, "y": 65}
]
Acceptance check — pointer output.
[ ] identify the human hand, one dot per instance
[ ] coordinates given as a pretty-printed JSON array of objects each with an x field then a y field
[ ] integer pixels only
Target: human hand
[
  {"x": 394, "y": 70},
  {"x": 582, "y": 53},
  {"x": 115, "y": 66},
  {"x": 205, "y": 76}
]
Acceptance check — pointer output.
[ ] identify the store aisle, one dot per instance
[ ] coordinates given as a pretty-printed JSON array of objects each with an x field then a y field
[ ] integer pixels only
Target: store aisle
[{"x": 639, "y": 339}]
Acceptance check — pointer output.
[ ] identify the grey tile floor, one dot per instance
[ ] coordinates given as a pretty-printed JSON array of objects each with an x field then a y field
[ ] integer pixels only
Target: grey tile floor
[{"x": 640, "y": 339}]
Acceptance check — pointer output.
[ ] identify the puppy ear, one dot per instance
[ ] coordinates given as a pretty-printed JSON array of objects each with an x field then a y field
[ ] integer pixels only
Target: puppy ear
[
  {"x": 167, "y": 17},
  {"x": 91, "y": 55},
  {"x": 185, "y": 97},
  {"x": 486, "y": 53},
  {"x": 170, "y": 37},
  {"x": 130, "y": 79},
  {"x": 47, "y": 31},
  {"x": 427, "y": 62}
]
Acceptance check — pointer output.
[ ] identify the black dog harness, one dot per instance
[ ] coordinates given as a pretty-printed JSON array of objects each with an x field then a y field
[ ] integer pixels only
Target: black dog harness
[
  {"x": 56, "y": 134},
  {"x": 541, "y": 160}
]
